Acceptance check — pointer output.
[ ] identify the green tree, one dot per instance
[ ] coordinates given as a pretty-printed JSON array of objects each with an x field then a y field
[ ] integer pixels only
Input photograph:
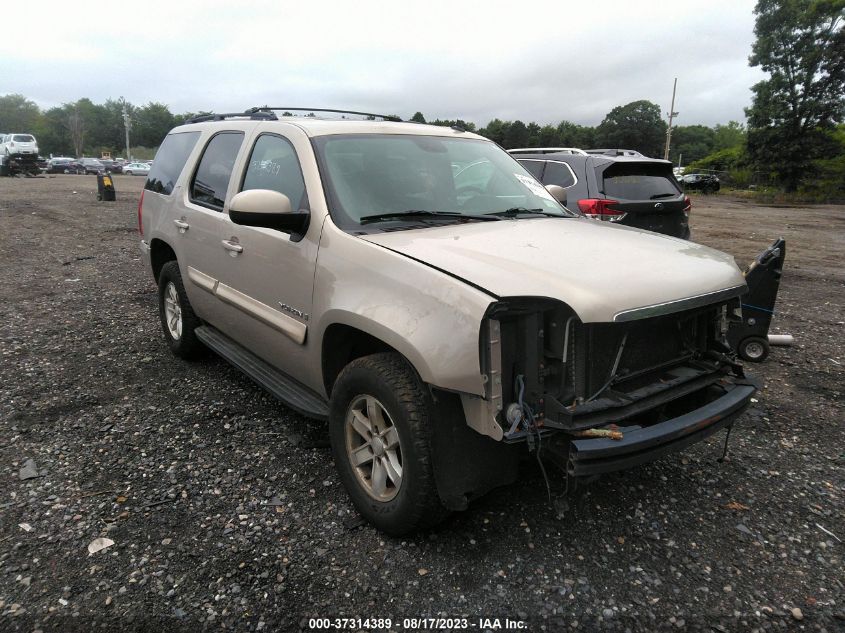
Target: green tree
[
  {"x": 495, "y": 131},
  {"x": 151, "y": 123},
  {"x": 418, "y": 117},
  {"x": 548, "y": 136},
  {"x": 574, "y": 135},
  {"x": 727, "y": 136},
  {"x": 18, "y": 114},
  {"x": 533, "y": 134},
  {"x": 801, "y": 45},
  {"x": 691, "y": 143},
  {"x": 516, "y": 135},
  {"x": 636, "y": 125}
]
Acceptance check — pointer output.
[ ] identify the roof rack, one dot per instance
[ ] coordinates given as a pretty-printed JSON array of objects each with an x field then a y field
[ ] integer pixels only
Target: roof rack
[
  {"x": 263, "y": 116},
  {"x": 614, "y": 152},
  {"x": 547, "y": 150},
  {"x": 268, "y": 109}
]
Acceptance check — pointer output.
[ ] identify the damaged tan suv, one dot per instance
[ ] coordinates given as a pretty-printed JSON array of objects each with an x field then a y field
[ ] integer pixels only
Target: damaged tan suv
[{"x": 419, "y": 289}]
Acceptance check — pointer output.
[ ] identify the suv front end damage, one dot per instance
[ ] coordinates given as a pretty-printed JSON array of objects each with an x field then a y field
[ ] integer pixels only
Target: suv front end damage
[{"x": 617, "y": 394}]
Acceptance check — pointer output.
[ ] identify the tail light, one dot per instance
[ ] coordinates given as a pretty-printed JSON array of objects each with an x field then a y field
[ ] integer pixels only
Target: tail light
[
  {"x": 687, "y": 205},
  {"x": 599, "y": 209},
  {"x": 140, "y": 211}
]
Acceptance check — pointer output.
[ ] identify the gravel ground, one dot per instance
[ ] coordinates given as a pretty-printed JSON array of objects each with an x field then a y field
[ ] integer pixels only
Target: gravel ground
[{"x": 226, "y": 513}]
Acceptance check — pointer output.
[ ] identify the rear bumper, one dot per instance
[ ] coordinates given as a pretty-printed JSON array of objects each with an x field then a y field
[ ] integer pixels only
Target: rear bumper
[{"x": 639, "y": 445}]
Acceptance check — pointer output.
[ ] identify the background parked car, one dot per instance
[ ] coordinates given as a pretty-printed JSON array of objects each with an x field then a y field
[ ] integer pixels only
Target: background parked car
[
  {"x": 136, "y": 169},
  {"x": 63, "y": 165},
  {"x": 623, "y": 188},
  {"x": 706, "y": 183},
  {"x": 112, "y": 166},
  {"x": 92, "y": 166}
]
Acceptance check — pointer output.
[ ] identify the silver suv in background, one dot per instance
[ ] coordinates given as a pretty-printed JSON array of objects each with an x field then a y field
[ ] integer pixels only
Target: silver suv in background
[
  {"x": 19, "y": 146},
  {"x": 420, "y": 290}
]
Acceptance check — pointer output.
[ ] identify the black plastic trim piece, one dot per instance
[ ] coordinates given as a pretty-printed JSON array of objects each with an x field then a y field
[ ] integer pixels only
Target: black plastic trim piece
[
  {"x": 596, "y": 456},
  {"x": 281, "y": 386}
]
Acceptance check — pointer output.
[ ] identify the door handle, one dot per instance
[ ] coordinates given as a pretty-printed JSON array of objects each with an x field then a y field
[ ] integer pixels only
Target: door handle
[
  {"x": 183, "y": 226},
  {"x": 231, "y": 245}
]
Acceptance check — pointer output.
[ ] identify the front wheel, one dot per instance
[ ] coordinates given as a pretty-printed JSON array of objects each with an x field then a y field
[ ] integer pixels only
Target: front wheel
[
  {"x": 178, "y": 320},
  {"x": 380, "y": 432}
]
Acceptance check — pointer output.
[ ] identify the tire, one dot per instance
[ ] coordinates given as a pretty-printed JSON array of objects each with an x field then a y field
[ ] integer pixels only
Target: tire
[
  {"x": 178, "y": 320},
  {"x": 383, "y": 393},
  {"x": 754, "y": 349}
]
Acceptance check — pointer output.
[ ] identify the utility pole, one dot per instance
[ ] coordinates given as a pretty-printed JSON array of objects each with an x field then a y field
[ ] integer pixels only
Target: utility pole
[
  {"x": 127, "y": 124},
  {"x": 672, "y": 115}
]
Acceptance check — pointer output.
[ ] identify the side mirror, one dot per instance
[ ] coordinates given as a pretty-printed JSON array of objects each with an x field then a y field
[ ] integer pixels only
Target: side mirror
[
  {"x": 558, "y": 193},
  {"x": 268, "y": 209}
]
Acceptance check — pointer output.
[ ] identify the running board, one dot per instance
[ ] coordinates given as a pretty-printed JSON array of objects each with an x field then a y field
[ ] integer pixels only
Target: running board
[{"x": 284, "y": 388}]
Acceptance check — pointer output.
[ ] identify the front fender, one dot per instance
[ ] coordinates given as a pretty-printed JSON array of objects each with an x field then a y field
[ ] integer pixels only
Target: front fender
[{"x": 426, "y": 315}]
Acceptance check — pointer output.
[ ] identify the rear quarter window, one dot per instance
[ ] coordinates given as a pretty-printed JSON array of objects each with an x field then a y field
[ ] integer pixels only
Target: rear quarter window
[
  {"x": 534, "y": 166},
  {"x": 558, "y": 174},
  {"x": 639, "y": 181},
  {"x": 170, "y": 161}
]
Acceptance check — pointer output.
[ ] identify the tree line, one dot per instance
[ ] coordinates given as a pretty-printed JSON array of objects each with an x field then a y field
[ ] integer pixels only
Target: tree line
[
  {"x": 84, "y": 128},
  {"x": 636, "y": 125}
]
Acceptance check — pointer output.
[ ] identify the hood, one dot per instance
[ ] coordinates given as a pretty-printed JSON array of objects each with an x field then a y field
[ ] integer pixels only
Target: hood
[{"x": 596, "y": 268}]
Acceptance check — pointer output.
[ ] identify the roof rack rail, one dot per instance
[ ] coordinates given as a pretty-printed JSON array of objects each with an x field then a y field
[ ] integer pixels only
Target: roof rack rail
[
  {"x": 264, "y": 116},
  {"x": 614, "y": 152},
  {"x": 386, "y": 117},
  {"x": 547, "y": 150}
]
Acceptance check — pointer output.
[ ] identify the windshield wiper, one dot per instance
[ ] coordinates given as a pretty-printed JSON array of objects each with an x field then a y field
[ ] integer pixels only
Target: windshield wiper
[
  {"x": 515, "y": 211},
  {"x": 663, "y": 195},
  {"x": 421, "y": 213}
]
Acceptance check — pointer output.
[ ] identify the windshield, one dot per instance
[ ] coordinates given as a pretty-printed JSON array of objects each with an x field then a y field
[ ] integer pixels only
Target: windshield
[
  {"x": 391, "y": 174},
  {"x": 22, "y": 138}
]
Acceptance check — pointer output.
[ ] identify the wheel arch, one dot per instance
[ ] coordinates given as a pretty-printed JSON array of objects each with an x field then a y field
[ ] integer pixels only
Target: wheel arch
[
  {"x": 343, "y": 342},
  {"x": 160, "y": 253}
]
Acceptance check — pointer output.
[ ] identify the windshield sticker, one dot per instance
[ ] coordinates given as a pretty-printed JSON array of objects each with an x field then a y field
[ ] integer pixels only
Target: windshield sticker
[{"x": 534, "y": 187}]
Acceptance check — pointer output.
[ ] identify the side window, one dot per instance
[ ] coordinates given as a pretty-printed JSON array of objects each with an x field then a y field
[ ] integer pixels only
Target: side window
[
  {"x": 274, "y": 165},
  {"x": 169, "y": 161},
  {"x": 535, "y": 167},
  {"x": 558, "y": 174},
  {"x": 211, "y": 180}
]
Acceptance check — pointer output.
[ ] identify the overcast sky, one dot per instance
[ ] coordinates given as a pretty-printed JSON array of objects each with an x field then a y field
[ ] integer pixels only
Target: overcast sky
[{"x": 541, "y": 61}]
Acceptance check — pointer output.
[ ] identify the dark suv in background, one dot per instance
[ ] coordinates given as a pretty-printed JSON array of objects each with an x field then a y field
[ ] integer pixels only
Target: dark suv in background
[
  {"x": 705, "y": 183},
  {"x": 618, "y": 186}
]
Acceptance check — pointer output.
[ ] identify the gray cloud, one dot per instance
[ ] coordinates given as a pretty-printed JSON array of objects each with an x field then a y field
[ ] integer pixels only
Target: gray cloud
[{"x": 476, "y": 61}]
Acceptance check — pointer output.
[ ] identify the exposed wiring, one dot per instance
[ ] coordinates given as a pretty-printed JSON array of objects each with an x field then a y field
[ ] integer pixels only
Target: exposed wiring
[
  {"x": 613, "y": 375},
  {"x": 530, "y": 426}
]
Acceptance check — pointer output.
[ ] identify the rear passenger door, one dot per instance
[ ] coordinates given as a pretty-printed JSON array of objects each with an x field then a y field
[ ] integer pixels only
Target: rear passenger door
[
  {"x": 270, "y": 276},
  {"x": 203, "y": 257}
]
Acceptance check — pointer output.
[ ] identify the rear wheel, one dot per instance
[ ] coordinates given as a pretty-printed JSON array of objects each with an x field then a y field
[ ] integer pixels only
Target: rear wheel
[
  {"x": 380, "y": 431},
  {"x": 178, "y": 320},
  {"x": 754, "y": 349}
]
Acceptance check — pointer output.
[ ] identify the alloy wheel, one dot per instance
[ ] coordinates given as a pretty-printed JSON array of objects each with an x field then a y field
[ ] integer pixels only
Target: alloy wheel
[
  {"x": 373, "y": 448},
  {"x": 173, "y": 311}
]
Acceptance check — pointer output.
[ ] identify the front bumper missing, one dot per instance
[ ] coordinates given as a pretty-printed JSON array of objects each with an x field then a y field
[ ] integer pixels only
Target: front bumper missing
[{"x": 588, "y": 457}]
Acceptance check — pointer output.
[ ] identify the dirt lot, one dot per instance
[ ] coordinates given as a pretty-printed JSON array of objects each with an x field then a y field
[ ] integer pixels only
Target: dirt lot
[{"x": 226, "y": 513}]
